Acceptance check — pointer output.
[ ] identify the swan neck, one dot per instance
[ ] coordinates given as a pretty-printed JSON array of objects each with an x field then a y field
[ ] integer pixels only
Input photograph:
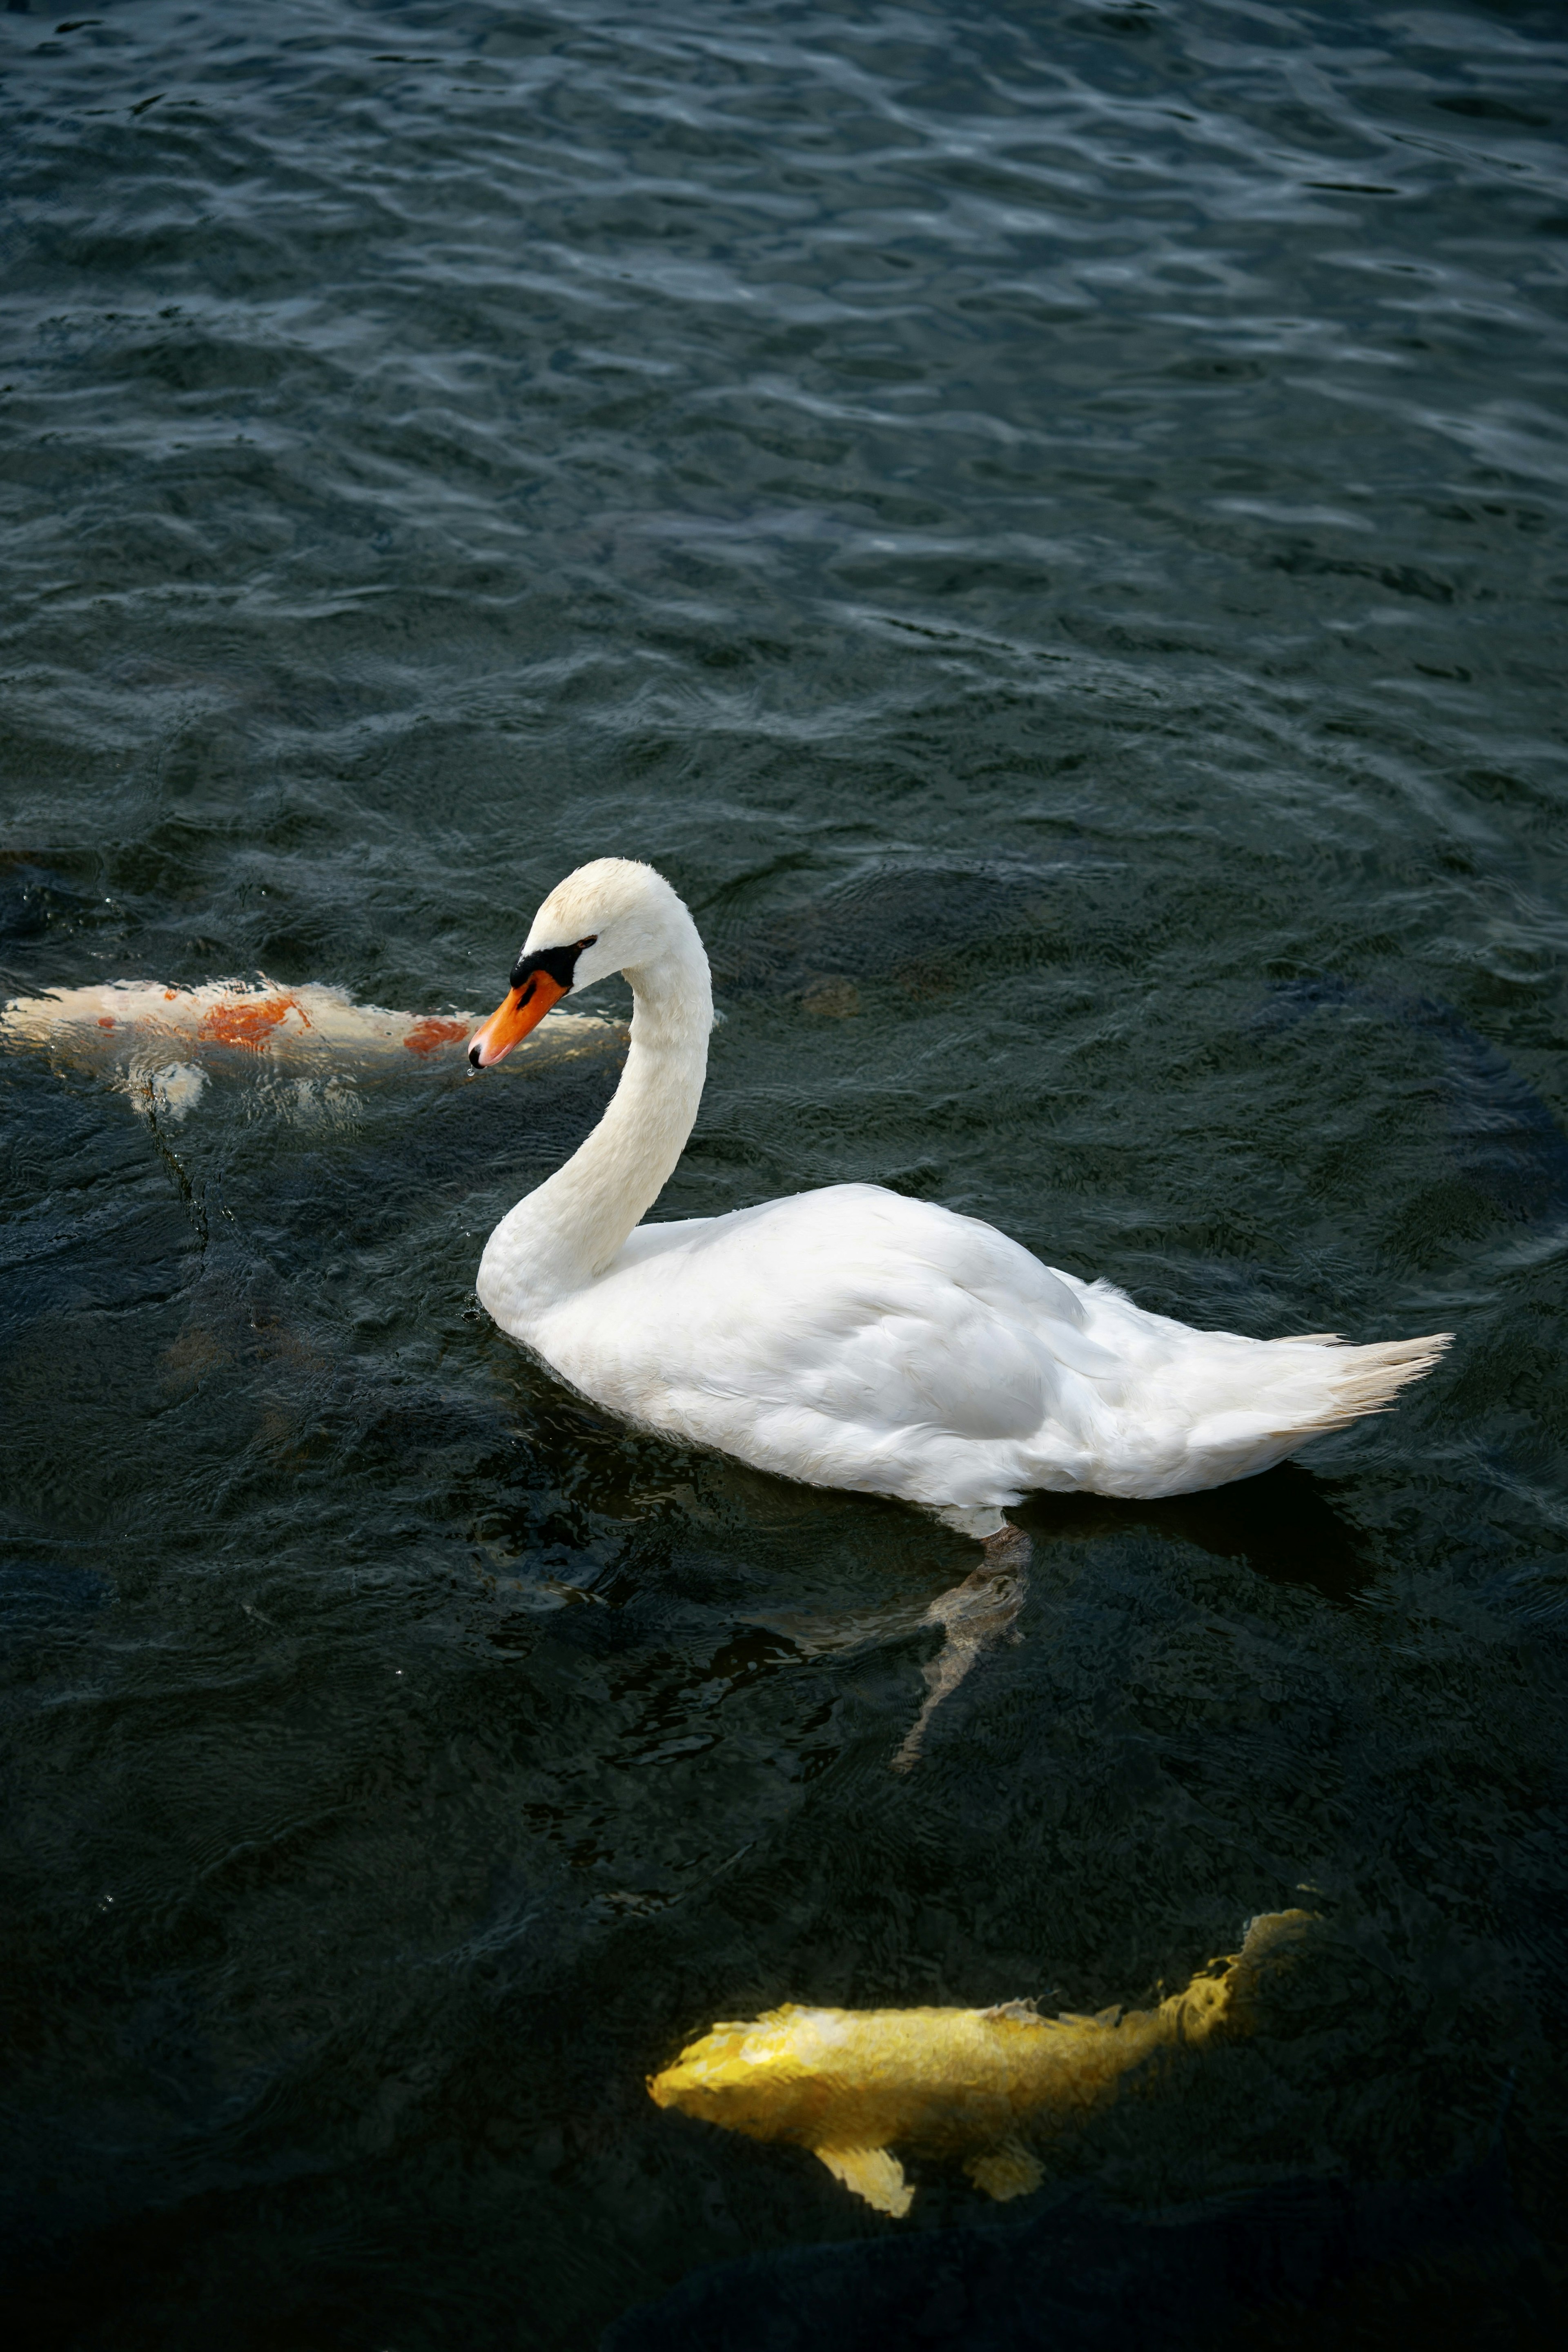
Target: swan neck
[{"x": 567, "y": 1232}]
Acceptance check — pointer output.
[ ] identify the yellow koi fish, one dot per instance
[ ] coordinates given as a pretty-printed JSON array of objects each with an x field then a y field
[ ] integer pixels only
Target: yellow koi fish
[{"x": 848, "y": 2084}]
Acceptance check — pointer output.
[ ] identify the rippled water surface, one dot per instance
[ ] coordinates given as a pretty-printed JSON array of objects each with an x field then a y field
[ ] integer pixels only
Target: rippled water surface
[{"x": 1047, "y": 521}]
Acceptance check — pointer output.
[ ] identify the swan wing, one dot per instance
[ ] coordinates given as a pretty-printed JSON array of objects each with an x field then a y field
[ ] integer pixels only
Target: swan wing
[
  {"x": 853, "y": 1337},
  {"x": 848, "y": 1335}
]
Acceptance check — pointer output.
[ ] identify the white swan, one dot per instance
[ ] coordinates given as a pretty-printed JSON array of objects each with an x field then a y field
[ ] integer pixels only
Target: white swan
[{"x": 851, "y": 1336}]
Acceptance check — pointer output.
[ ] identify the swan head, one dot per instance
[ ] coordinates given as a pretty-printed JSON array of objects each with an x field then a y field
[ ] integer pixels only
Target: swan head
[{"x": 614, "y": 914}]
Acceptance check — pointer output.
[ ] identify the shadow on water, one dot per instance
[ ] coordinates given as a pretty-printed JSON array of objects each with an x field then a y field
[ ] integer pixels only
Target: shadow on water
[
  {"x": 1281, "y": 1524},
  {"x": 37, "y": 902},
  {"x": 39, "y": 1599},
  {"x": 1297, "y": 2257}
]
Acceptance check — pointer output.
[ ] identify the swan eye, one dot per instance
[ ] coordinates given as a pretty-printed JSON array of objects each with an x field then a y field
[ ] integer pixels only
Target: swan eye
[{"x": 559, "y": 962}]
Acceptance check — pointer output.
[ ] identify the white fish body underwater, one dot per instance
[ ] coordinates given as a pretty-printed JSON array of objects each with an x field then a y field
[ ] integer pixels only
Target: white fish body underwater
[{"x": 159, "y": 1045}]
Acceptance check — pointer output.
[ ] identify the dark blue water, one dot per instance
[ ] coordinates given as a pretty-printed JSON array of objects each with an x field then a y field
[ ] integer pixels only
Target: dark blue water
[{"x": 1047, "y": 522}]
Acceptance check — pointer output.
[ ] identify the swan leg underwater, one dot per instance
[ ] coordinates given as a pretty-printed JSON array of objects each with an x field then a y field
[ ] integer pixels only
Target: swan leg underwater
[
  {"x": 851, "y": 1337},
  {"x": 975, "y": 1616}
]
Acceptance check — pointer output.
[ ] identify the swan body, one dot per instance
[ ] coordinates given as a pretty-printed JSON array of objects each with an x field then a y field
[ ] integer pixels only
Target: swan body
[{"x": 851, "y": 1337}]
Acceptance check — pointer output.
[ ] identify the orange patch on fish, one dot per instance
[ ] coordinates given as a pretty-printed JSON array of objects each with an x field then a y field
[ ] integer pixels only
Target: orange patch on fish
[
  {"x": 245, "y": 1021},
  {"x": 426, "y": 1035}
]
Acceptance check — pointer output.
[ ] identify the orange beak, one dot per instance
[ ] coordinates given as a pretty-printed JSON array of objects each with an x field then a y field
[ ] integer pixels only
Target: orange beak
[{"x": 522, "y": 1009}]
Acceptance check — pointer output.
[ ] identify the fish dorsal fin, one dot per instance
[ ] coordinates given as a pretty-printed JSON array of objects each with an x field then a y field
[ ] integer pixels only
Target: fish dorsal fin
[
  {"x": 1022, "y": 2012},
  {"x": 1006, "y": 2171},
  {"x": 873, "y": 2173}
]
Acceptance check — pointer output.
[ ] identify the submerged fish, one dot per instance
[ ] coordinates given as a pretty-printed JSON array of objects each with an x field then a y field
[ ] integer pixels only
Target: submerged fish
[
  {"x": 920, "y": 928},
  {"x": 975, "y": 2083},
  {"x": 158, "y": 1043},
  {"x": 1504, "y": 1139}
]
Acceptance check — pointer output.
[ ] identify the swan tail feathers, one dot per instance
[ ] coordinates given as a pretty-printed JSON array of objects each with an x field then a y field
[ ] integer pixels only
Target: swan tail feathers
[
  {"x": 1355, "y": 1380},
  {"x": 1261, "y": 1407}
]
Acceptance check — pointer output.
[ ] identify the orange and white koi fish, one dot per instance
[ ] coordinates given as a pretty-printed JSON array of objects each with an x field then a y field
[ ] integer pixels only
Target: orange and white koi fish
[
  {"x": 157, "y": 1043},
  {"x": 974, "y": 2083}
]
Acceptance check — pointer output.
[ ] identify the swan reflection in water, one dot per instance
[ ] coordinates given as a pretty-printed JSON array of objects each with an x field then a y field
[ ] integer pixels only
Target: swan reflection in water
[
  {"x": 977, "y": 2083},
  {"x": 1281, "y": 1525}
]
